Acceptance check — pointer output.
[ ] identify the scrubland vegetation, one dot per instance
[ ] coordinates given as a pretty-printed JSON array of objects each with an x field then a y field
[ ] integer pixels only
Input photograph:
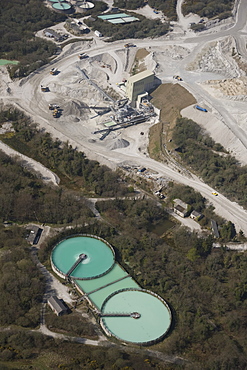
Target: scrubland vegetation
[
  {"x": 208, "y": 8},
  {"x": 139, "y": 30},
  {"x": 210, "y": 161},
  {"x": 19, "y": 20}
]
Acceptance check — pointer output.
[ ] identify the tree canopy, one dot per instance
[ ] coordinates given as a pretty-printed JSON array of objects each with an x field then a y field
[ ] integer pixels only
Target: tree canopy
[{"x": 209, "y": 159}]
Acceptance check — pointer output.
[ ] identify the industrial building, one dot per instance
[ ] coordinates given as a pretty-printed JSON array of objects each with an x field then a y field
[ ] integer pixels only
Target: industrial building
[
  {"x": 57, "y": 305},
  {"x": 139, "y": 84},
  {"x": 118, "y": 18}
]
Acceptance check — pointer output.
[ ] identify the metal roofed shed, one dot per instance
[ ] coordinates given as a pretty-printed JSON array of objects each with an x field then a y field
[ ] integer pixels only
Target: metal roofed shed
[
  {"x": 57, "y": 306},
  {"x": 118, "y": 18},
  {"x": 196, "y": 215},
  {"x": 48, "y": 32},
  {"x": 112, "y": 16},
  {"x": 34, "y": 234}
]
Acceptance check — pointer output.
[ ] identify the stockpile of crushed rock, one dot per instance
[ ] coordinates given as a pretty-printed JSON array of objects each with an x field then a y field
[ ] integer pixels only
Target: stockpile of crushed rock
[{"x": 117, "y": 144}]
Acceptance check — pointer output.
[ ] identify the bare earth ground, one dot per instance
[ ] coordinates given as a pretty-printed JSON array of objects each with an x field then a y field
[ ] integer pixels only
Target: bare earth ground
[
  {"x": 204, "y": 61},
  {"x": 171, "y": 99}
]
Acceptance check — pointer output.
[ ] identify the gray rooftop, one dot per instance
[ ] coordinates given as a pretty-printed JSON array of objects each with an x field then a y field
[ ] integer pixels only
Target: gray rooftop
[{"x": 57, "y": 304}]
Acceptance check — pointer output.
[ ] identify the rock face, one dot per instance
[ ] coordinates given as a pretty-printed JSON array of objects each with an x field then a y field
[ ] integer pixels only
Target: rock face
[
  {"x": 217, "y": 57},
  {"x": 232, "y": 88}
]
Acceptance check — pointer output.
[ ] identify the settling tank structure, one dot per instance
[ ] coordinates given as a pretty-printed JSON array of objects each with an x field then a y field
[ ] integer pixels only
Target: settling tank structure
[{"x": 125, "y": 310}]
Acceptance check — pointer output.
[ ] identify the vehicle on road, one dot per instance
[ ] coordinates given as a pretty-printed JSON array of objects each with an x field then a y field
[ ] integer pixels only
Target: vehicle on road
[
  {"x": 178, "y": 78},
  {"x": 54, "y": 71},
  {"x": 214, "y": 193},
  {"x": 129, "y": 45},
  {"x": 82, "y": 56}
]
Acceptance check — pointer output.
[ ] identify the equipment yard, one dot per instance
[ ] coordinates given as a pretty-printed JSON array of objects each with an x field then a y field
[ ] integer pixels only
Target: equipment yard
[{"x": 91, "y": 111}]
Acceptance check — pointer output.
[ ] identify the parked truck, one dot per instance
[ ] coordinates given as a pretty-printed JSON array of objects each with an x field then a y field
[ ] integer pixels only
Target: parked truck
[
  {"x": 53, "y": 71},
  {"x": 200, "y": 108}
]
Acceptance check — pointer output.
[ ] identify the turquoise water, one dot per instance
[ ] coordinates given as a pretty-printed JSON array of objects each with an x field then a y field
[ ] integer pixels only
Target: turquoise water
[
  {"x": 100, "y": 257},
  {"x": 155, "y": 317},
  {"x": 61, "y": 6},
  {"x": 154, "y": 322},
  {"x": 100, "y": 296},
  {"x": 89, "y": 285},
  {"x": 3, "y": 62}
]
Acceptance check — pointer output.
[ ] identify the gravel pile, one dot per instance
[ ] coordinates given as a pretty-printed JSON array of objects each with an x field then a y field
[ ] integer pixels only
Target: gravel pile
[{"x": 118, "y": 144}]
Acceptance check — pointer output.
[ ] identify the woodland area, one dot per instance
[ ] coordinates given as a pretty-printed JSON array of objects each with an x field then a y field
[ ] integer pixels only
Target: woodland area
[
  {"x": 208, "y": 159},
  {"x": 25, "y": 198},
  {"x": 139, "y": 30},
  {"x": 19, "y": 20},
  {"x": 168, "y": 7},
  {"x": 21, "y": 285},
  {"x": 209, "y": 8}
]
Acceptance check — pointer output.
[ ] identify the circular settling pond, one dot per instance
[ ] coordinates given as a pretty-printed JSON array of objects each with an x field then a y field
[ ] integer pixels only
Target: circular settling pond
[
  {"x": 95, "y": 257},
  {"x": 136, "y": 316},
  {"x": 61, "y": 6}
]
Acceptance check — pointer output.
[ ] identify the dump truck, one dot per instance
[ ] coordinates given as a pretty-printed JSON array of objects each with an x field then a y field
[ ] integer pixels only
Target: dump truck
[
  {"x": 53, "y": 71},
  {"x": 53, "y": 106},
  {"x": 44, "y": 88},
  {"x": 200, "y": 108},
  {"x": 128, "y": 45},
  {"x": 56, "y": 113},
  {"x": 178, "y": 78}
]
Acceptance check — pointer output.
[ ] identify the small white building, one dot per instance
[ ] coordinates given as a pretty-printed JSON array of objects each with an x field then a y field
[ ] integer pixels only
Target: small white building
[
  {"x": 98, "y": 34},
  {"x": 196, "y": 215}
]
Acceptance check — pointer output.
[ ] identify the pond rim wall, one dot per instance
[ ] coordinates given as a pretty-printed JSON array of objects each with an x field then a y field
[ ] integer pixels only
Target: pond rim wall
[{"x": 62, "y": 275}]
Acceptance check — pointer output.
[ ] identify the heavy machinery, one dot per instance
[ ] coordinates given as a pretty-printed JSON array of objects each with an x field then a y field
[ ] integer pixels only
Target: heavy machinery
[
  {"x": 56, "y": 113},
  {"x": 53, "y": 106},
  {"x": 56, "y": 110},
  {"x": 178, "y": 78},
  {"x": 53, "y": 71},
  {"x": 44, "y": 88},
  {"x": 129, "y": 45}
]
